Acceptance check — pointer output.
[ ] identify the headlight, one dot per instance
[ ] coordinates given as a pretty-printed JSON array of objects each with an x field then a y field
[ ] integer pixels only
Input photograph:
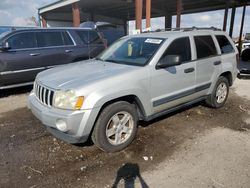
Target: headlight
[{"x": 68, "y": 100}]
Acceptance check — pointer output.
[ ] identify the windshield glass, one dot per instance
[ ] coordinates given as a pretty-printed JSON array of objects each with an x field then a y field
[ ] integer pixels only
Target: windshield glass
[
  {"x": 4, "y": 34},
  {"x": 132, "y": 51}
]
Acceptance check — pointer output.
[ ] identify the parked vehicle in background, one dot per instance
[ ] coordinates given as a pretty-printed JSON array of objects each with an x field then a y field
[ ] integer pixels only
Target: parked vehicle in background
[
  {"x": 139, "y": 77},
  {"x": 108, "y": 31},
  {"x": 4, "y": 29},
  {"x": 245, "y": 50},
  {"x": 24, "y": 53},
  {"x": 245, "y": 44},
  {"x": 245, "y": 55},
  {"x": 247, "y": 36}
]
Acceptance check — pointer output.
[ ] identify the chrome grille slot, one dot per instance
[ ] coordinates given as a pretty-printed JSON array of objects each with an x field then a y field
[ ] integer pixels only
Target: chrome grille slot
[{"x": 43, "y": 94}]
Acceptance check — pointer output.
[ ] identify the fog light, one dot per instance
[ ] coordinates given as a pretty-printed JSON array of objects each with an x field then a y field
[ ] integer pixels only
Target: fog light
[{"x": 61, "y": 125}]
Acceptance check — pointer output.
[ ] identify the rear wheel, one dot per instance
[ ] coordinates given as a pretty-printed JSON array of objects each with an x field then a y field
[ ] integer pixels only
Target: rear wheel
[
  {"x": 116, "y": 127},
  {"x": 220, "y": 93}
]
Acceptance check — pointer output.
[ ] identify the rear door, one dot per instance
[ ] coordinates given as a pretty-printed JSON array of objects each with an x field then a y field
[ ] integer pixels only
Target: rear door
[
  {"x": 19, "y": 64},
  {"x": 208, "y": 63},
  {"x": 228, "y": 54},
  {"x": 55, "y": 48}
]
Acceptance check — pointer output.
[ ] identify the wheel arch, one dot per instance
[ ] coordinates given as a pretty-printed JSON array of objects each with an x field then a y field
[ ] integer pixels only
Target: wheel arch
[
  {"x": 229, "y": 76},
  {"x": 132, "y": 99}
]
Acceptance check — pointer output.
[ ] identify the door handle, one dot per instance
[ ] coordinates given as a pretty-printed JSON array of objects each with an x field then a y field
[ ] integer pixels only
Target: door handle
[
  {"x": 217, "y": 62},
  {"x": 189, "y": 70},
  {"x": 35, "y": 54},
  {"x": 68, "y": 51}
]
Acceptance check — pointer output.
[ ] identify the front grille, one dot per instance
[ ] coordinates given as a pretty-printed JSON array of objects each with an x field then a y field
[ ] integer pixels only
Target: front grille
[{"x": 44, "y": 94}]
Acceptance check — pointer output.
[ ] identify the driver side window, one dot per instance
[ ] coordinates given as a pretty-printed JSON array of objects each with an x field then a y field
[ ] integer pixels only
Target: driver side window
[
  {"x": 179, "y": 47},
  {"x": 25, "y": 40}
]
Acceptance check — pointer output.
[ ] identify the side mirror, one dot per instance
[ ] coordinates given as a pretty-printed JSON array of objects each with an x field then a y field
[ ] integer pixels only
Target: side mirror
[
  {"x": 169, "y": 61},
  {"x": 5, "y": 46}
]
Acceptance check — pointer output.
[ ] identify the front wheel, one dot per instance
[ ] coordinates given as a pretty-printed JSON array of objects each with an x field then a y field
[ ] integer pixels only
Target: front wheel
[
  {"x": 115, "y": 127},
  {"x": 218, "y": 97}
]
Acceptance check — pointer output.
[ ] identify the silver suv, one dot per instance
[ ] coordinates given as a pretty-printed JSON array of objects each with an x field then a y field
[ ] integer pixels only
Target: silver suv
[{"x": 139, "y": 77}]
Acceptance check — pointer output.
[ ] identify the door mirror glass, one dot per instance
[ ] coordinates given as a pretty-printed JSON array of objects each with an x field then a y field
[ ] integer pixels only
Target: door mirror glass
[
  {"x": 169, "y": 61},
  {"x": 5, "y": 46}
]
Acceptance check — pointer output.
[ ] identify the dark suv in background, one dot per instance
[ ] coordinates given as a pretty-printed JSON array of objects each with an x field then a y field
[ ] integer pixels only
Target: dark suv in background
[
  {"x": 4, "y": 29},
  {"x": 25, "y": 53}
]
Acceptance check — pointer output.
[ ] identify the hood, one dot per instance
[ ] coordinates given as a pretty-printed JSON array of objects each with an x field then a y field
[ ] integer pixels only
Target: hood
[{"x": 81, "y": 73}]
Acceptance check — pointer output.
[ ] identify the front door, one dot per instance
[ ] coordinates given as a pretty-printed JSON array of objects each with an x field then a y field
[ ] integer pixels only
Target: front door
[
  {"x": 20, "y": 63},
  {"x": 174, "y": 85}
]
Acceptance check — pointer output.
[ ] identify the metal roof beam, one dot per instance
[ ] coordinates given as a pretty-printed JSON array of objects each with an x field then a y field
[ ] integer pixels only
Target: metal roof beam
[{"x": 56, "y": 5}]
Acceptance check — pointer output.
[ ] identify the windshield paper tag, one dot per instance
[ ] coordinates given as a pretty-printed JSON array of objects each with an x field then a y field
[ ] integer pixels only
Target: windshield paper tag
[{"x": 153, "y": 41}]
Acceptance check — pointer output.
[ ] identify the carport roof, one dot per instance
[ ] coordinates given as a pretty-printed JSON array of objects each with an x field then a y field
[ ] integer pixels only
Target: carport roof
[{"x": 125, "y": 9}]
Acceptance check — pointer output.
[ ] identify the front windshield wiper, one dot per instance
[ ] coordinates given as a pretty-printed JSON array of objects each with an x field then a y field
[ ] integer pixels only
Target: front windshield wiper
[
  {"x": 121, "y": 62},
  {"x": 107, "y": 60},
  {"x": 112, "y": 61}
]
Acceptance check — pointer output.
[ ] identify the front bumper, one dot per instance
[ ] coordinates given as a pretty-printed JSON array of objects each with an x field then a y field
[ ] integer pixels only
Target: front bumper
[{"x": 79, "y": 123}]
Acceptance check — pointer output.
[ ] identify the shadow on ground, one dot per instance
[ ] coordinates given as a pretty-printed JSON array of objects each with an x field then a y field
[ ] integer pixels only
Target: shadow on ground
[
  {"x": 129, "y": 173},
  {"x": 15, "y": 91}
]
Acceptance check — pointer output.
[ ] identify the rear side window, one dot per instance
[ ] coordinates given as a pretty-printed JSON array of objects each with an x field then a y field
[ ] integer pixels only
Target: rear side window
[
  {"x": 88, "y": 36},
  {"x": 22, "y": 41},
  {"x": 224, "y": 43},
  {"x": 49, "y": 39},
  {"x": 180, "y": 47},
  {"x": 67, "y": 39},
  {"x": 205, "y": 46}
]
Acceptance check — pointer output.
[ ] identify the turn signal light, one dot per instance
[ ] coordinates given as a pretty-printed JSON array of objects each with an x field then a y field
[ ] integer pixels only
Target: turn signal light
[{"x": 79, "y": 103}]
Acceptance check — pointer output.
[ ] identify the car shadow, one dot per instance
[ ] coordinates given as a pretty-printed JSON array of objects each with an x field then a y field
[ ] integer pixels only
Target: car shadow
[
  {"x": 243, "y": 77},
  {"x": 88, "y": 143},
  {"x": 128, "y": 173},
  {"x": 244, "y": 74},
  {"x": 15, "y": 91}
]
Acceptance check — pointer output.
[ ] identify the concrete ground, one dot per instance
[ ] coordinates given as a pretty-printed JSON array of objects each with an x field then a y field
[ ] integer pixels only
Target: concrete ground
[
  {"x": 194, "y": 147},
  {"x": 217, "y": 158}
]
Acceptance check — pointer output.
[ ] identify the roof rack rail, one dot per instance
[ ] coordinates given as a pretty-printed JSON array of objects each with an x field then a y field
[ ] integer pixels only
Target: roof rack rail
[{"x": 185, "y": 29}]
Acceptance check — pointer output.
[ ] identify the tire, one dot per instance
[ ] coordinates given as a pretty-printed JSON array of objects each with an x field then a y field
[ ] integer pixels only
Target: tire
[
  {"x": 245, "y": 56},
  {"x": 110, "y": 133},
  {"x": 216, "y": 101}
]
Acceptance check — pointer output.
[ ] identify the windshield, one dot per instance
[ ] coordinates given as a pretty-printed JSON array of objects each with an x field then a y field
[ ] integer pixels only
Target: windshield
[
  {"x": 132, "y": 51},
  {"x": 4, "y": 34}
]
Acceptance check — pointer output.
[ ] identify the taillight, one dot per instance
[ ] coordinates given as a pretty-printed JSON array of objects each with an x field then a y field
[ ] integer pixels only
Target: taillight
[{"x": 238, "y": 58}]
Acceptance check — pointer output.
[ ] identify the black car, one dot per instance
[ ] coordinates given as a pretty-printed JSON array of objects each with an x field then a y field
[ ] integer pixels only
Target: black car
[
  {"x": 25, "y": 53},
  {"x": 4, "y": 29}
]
